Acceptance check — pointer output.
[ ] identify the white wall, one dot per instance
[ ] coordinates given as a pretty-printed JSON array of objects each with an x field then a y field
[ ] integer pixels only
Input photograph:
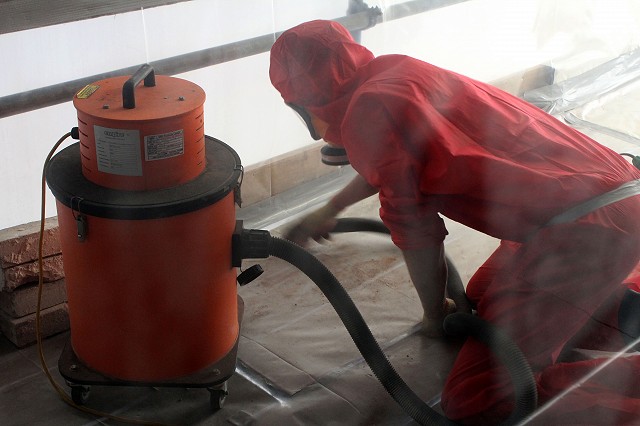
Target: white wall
[{"x": 485, "y": 39}]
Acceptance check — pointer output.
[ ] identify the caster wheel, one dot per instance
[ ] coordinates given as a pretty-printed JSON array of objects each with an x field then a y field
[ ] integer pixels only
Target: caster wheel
[
  {"x": 80, "y": 394},
  {"x": 217, "y": 396}
]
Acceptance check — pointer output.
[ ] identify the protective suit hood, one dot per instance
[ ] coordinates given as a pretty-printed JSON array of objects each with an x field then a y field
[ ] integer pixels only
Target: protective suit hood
[{"x": 314, "y": 66}]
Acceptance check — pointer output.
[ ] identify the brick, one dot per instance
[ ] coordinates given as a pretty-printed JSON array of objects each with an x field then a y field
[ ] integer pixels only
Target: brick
[
  {"x": 19, "y": 244},
  {"x": 22, "y": 331},
  {"x": 27, "y": 273},
  {"x": 23, "y": 301}
]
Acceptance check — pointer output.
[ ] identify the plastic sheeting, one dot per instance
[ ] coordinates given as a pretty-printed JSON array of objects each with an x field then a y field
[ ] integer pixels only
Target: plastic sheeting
[
  {"x": 615, "y": 114},
  {"x": 296, "y": 363},
  {"x": 586, "y": 87}
]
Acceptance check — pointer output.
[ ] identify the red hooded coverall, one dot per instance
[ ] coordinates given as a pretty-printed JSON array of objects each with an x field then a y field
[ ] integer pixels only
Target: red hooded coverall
[{"x": 435, "y": 142}]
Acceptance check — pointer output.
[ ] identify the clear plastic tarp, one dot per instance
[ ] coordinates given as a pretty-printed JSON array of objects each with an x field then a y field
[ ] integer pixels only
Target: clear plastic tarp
[{"x": 577, "y": 59}]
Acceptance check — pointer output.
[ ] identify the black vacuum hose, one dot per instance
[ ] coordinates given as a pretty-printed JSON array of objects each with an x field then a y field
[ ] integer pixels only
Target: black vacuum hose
[{"x": 457, "y": 324}]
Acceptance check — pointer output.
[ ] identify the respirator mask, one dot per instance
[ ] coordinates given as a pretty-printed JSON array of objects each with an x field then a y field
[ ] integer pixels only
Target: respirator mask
[{"x": 331, "y": 155}]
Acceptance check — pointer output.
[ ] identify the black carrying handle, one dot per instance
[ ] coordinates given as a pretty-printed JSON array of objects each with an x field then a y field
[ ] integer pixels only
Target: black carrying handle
[{"x": 144, "y": 72}]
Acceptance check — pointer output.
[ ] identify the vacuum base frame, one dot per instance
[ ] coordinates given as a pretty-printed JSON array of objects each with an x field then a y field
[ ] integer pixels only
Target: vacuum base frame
[{"x": 80, "y": 376}]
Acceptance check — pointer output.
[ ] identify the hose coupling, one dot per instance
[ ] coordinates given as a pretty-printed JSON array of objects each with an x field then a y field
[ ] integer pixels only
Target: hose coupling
[{"x": 248, "y": 244}]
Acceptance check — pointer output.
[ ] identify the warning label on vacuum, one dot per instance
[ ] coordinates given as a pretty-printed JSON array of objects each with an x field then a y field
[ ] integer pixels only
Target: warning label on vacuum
[
  {"x": 118, "y": 151},
  {"x": 165, "y": 145}
]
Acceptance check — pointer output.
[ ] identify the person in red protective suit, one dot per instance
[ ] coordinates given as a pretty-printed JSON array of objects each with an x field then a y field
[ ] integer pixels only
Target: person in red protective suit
[{"x": 432, "y": 142}]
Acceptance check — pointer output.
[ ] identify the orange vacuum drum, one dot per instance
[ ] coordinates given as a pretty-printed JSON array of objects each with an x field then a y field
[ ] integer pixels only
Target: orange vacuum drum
[
  {"x": 150, "y": 284},
  {"x": 141, "y": 137}
]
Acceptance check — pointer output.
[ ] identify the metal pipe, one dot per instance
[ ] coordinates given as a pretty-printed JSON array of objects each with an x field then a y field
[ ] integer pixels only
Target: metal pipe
[
  {"x": 357, "y": 6},
  {"x": 58, "y": 93},
  {"x": 409, "y": 8}
]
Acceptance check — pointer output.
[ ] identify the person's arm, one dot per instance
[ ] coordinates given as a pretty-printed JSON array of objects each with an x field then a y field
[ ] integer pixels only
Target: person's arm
[
  {"x": 428, "y": 272},
  {"x": 356, "y": 190},
  {"x": 318, "y": 224}
]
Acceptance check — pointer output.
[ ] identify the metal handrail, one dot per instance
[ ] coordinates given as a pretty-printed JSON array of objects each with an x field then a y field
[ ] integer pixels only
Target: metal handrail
[{"x": 63, "y": 92}]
